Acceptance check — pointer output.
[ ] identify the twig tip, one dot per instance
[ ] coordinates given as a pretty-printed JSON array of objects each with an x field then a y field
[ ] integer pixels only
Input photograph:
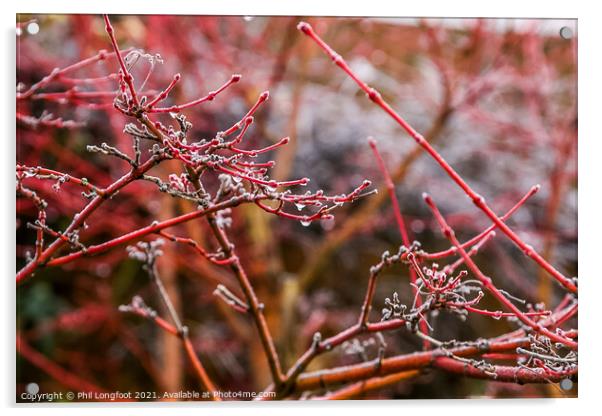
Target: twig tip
[{"x": 304, "y": 27}]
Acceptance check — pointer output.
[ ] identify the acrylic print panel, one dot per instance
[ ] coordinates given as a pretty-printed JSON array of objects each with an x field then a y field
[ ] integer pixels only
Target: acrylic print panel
[{"x": 395, "y": 219}]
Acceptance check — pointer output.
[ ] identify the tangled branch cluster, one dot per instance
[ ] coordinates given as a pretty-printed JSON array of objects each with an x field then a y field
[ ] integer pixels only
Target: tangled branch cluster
[{"x": 222, "y": 172}]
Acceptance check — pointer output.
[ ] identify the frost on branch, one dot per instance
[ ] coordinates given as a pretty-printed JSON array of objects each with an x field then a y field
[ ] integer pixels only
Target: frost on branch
[{"x": 129, "y": 148}]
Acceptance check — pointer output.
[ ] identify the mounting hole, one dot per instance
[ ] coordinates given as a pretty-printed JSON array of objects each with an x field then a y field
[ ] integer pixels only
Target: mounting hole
[
  {"x": 33, "y": 28},
  {"x": 32, "y": 388},
  {"x": 566, "y": 33},
  {"x": 566, "y": 384}
]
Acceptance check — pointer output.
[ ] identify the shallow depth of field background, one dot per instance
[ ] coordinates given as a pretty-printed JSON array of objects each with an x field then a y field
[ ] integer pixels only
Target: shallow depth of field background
[{"x": 496, "y": 97}]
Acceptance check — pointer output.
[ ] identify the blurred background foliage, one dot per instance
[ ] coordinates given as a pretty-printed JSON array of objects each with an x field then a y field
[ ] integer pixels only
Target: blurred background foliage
[{"x": 496, "y": 97}]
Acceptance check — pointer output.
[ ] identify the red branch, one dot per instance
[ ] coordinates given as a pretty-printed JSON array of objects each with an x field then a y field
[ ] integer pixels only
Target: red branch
[
  {"x": 401, "y": 226},
  {"x": 477, "y": 199},
  {"x": 487, "y": 282},
  {"x": 67, "y": 378}
]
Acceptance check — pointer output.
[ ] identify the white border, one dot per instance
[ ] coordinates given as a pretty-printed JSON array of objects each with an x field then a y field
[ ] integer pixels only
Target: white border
[{"x": 590, "y": 203}]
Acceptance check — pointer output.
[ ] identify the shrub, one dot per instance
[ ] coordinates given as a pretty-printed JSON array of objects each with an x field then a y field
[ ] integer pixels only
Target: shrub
[{"x": 216, "y": 181}]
